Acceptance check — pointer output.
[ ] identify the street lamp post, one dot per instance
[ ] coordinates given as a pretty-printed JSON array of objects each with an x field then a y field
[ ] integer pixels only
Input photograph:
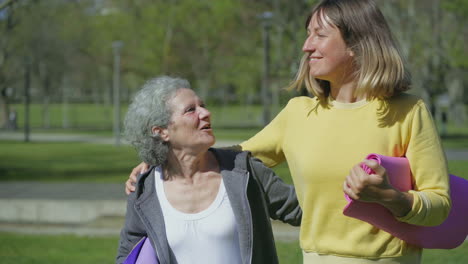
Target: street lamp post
[
  {"x": 266, "y": 18},
  {"x": 116, "y": 45}
]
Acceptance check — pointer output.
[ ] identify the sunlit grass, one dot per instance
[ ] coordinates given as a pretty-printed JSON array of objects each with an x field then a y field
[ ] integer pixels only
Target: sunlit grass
[
  {"x": 233, "y": 122},
  {"x": 70, "y": 249},
  {"x": 65, "y": 162},
  {"x": 21, "y": 161},
  {"x": 99, "y": 116},
  {"x": 51, "y": 249}
]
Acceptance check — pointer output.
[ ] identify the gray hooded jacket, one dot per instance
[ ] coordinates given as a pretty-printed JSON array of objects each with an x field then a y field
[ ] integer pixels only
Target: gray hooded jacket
[{"x": 256, "y": 194}]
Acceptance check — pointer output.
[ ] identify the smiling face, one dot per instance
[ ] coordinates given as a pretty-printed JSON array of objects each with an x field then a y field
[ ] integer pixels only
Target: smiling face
[
  {"x": 328, "y": 56},
  {"x": 190, "y": 125}
]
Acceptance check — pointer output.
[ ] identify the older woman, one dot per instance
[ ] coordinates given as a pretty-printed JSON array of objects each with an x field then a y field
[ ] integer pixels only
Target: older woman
[{"x": 198, "y": 204}]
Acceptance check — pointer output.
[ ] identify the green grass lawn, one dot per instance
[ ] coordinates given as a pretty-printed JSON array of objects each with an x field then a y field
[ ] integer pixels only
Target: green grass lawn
[
  {"x": 70, "y": 249},
  {"x": 73, "y": 162},
  {"x": 443, "y": 256},
  {"x": 99, "y": 116},
  {"x": 21, "y": 161},
  {"x": 78, "y": 115},
  {"x": 459, "y": 168},
  {"x": 49, "y": 249},
  {"x": 456, "y": 138},
  {"x": 455, "y": 142},
  {"x": 65, "y": 162},
  {"x": 237, "y": 122},
  {"x": 291, "y": 253}
]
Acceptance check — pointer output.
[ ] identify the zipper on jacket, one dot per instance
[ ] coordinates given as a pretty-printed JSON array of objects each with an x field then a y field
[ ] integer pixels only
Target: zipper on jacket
[
  {"x": 147, "y": 225},
  {"x": 156, "y": 250},
  {"x": 250, "y": 220}
]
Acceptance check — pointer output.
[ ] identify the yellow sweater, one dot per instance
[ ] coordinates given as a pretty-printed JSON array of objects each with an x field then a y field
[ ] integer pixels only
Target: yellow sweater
[{"x": 322, "y": 144}]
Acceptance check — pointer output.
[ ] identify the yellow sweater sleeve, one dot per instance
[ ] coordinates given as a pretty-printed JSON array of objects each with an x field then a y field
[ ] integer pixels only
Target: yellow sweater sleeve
[
  {"x": 266, "y": 145},
  {"x": 425, "y": 154}
]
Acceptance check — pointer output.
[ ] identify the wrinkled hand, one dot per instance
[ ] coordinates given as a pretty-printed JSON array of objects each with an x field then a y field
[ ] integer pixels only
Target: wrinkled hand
[
  {"x": 132, "y": 179},
  {"x": 367, "y": 187}
]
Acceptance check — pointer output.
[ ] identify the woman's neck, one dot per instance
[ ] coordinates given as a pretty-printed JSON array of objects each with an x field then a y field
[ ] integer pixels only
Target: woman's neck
[
  {"x": 181, "y": 164},
  {"x": 344, "y": 92}
]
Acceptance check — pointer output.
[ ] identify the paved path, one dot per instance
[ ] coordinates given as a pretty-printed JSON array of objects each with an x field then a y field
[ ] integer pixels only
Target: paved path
[
  {"x": 62, "y": 191},
  {"x": 457, "y": 154}
]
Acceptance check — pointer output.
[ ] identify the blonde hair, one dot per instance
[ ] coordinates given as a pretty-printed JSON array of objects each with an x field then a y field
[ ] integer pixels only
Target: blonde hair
[{"x": 381, "y": 70}]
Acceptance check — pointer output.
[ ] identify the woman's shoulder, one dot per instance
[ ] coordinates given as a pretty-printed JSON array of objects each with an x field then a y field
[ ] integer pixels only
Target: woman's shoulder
[
  {"x": 401, "y": 107},
  {"x": 301, "y": 100},
  {"x": 302, "y": 103},
  {"x": 226, "y": 156},
  {"x": 237, "y": 158},
  {"x": 406, "y": 99},
  {"x": 405, "y": 102},
  {"x": 145, "y": 182}
]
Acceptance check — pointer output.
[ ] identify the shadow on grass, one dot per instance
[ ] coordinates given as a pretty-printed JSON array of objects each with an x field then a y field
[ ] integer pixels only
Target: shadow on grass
[
  {"x": 455, "y": 141},
  {"x": 21, "y": 161},
  {"x": 44, "y": 174},
  {"x": 455, "y": 137}
]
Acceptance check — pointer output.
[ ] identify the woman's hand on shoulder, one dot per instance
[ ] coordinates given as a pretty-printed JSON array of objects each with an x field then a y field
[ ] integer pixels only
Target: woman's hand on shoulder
[{"x": 132, "y": 178}]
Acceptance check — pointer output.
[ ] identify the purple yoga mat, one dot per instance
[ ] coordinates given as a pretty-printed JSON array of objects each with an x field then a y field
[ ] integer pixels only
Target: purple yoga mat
[
  {"x": 142, "y": 253},
  {"x": 450, "y": 234}
]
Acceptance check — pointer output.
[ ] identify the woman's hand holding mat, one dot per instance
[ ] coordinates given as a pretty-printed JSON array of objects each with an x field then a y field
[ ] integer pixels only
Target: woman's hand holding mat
[{"x": 449, "y": 234}]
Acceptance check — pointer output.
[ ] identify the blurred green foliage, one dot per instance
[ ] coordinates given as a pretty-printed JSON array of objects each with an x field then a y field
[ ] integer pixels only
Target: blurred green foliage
[
  {"x": 217, "y": 45},
  {"x": 66, "y": 46}
]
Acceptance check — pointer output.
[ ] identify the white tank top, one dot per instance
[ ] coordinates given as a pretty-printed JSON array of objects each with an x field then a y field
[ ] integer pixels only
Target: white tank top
[{"x": 208, "y": 237}]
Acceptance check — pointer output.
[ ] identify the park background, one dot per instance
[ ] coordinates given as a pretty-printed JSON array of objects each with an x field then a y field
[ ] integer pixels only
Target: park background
[{"x": 69, "y": 68}]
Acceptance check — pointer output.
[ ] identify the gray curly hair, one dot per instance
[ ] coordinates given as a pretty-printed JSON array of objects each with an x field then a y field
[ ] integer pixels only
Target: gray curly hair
[{"x": 150, "y": 108}]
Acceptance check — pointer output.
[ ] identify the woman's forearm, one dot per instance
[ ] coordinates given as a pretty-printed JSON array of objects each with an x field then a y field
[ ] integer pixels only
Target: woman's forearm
[{"x": 399, "y": 203}]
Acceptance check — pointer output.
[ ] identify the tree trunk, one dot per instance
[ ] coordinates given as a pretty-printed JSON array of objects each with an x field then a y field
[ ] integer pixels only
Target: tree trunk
[
  {"x": 5, "y": 109},
  {"x": 46, "y": 112},
  {"x": 65, "y": 105},
  {"x": 46, "y": 102}
]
